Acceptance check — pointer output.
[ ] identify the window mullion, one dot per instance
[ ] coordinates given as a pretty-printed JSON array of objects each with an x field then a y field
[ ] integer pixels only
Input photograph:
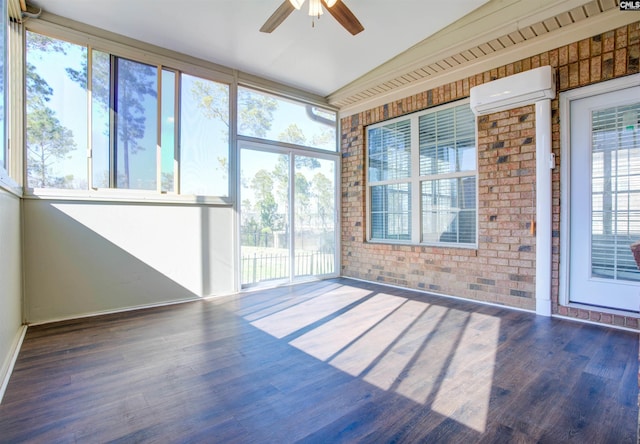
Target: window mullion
[
  {"x": 159, "y": 130},
  {"x": 89, "y": 118},
  {"x": 177, "y": 125},
  {"x": 292, "y": 220},
  {"x": 416, "y": 209},
  {"x": 16, "y": 160},
  {"x": 113, "y": 127}
]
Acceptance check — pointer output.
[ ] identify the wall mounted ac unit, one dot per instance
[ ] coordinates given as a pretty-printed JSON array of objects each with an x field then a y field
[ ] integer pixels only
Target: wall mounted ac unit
[{"x": 514, "y": 91}]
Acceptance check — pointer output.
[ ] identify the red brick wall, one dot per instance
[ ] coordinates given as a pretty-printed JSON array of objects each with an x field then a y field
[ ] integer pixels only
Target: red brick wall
[{"x": 502, "y": 268}]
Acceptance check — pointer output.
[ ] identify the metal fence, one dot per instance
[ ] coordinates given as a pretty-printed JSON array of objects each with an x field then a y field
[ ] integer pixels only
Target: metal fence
[{"x": 265, "y": 266}]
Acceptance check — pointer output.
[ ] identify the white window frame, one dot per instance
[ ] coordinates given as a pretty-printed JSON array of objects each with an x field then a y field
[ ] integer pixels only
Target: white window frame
[
  {"x": 291, "y": 151},
  {"x": 6, "y": 181},
  {"x": 160, "y": 61},
  {"x": 415, "y": 181}
]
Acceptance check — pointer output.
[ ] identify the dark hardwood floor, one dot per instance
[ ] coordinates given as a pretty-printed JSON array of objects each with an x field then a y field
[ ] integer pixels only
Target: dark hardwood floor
[{"x": 330, "y": 361}]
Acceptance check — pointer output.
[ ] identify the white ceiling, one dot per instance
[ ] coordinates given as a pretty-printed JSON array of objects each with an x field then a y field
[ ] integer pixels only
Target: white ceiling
[{"x": 319, "y": 60}]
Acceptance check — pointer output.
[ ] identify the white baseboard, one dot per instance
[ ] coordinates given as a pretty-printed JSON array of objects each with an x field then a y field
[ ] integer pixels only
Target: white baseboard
[
  {"x": 112, "y": 311},
  {"x": 10, "y": 361}
]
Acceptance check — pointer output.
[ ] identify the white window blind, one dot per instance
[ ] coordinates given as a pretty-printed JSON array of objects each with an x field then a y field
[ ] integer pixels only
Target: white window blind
[
  {"x": 447, "y": 141},
  {"x": 390, "y": 152},
  {"x": 431, "y": 200},
  {"x": 615, "y": 193}
]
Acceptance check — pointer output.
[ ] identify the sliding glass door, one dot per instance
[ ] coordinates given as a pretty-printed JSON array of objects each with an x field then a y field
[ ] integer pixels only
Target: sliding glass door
[
  {"x": 314, "y": 203},
  {"x": 287, "y": 215}
]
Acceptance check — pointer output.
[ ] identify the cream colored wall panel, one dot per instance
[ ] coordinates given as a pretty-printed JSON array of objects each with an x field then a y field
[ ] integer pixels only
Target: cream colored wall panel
[
  {"x": 85, "y": 257},
  {"x": 10, "y": 280}
]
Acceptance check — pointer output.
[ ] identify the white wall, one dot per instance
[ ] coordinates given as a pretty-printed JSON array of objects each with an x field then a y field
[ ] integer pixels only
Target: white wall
[
  {"x": 10, "y": 279},
  {"x": 91, "y": 257}
]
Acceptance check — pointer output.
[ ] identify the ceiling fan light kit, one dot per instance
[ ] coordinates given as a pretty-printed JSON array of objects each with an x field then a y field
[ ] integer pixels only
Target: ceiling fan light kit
[
  {"x": 315, "y": 8},
  {"x": 336, "y": 8},
  {"x": 314, "y": 4}
]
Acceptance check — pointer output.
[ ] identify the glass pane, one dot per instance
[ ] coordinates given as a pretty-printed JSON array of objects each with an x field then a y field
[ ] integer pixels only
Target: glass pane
[
  {"x": 264, "y": 226},
  {"x": 390, "y": 151},
  {"x": 615, "y": 191},
  {"x": 391, "y": 212},
  {"x": 314, "y": 201},
  {"x": 136, "y": 111},
  {"x": 275, "y": 118},
  {"x": 204, "y": 137},
  {"x": 168, "y": 133},
  {"x": 56, "y": 113},
  {"x": 100, "y": 86},
  {"x": 449, "y": 210},
  {"x": 447, "y": 141}
]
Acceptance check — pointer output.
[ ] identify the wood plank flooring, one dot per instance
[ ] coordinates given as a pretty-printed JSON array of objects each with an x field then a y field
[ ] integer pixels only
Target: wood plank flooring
[{"x": 329, "y": 361}]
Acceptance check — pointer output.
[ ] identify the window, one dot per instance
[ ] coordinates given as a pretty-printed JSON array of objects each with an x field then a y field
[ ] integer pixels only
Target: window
[
  {"x": 287, "y": 188},
  {"x": 204, "y": 136},
  {"x": 270, "y": 117},
  {"x": 127, "y": 136},
  {"x": 422, "y": 178}
]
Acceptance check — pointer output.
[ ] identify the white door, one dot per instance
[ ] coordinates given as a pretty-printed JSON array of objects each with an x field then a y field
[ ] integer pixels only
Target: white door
[{"x": 605, "y": 200}]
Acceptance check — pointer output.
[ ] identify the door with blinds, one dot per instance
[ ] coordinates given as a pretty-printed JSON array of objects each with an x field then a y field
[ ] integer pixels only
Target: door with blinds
[{"x": 605, "y": 200}]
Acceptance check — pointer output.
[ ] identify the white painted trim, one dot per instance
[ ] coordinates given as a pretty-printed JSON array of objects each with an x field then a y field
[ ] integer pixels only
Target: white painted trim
[
  {"x": 9, "y": 185},
  {"x": 603, "y": 22},
  {"x": 565, "y": 173},
  {"x": 6, "y": 372},
  {"x": 290, "y": 150},
  {"x": 415, "y": 180},
  {"x": 491, "y": 304},
  {"x": 490, "y": 21},
  {"x": 125, "y": 196},
  {"x": 120, "y": 310},
  {"x": 544, "y": 204},
  {"x": 441, "y": 295}
]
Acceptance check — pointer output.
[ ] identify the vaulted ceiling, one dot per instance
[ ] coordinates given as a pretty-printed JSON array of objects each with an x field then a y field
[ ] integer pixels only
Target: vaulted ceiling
[
  {"x": 405, "y": 45},
  {"x": 316, "y": 55}
]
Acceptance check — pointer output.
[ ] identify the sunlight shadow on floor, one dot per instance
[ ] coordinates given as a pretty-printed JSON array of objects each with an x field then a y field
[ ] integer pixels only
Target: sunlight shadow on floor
[
  {"x": 436, "y": 356},
  {"x": 287, "y": 321}
]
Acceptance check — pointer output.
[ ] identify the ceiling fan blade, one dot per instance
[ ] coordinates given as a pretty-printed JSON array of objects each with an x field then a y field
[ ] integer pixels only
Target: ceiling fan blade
[
  {"x": 278, "y": 17},
  {"x": 345, "y": 17}
]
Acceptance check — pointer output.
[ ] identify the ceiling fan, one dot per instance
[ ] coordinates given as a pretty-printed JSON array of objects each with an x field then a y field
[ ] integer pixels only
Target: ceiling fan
[{"x": 336, "y": 8}]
